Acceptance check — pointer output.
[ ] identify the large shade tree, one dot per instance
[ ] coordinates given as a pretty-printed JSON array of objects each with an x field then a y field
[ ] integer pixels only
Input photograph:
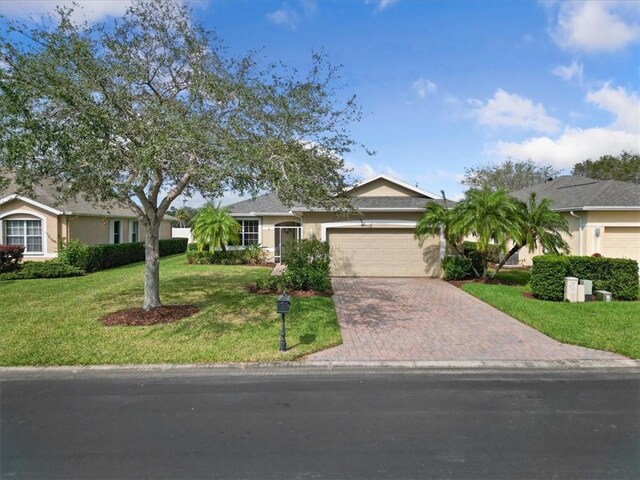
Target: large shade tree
[
  {"x": 149, "y": 107},
  {"x": 510, "y": 175}
]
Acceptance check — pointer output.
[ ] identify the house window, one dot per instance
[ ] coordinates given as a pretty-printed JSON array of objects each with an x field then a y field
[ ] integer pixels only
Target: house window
[
  {"x": 249, "y": 232},
  {"x": 115, "y": 231},
  {"x": 27, "y": 233},
  {"x": 133, "y": 231}
]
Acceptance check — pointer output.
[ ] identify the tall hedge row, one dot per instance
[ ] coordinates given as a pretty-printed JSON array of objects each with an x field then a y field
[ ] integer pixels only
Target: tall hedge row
[
  {"x": 91, "y": 258},
  {"x": 616, "y": 275}
]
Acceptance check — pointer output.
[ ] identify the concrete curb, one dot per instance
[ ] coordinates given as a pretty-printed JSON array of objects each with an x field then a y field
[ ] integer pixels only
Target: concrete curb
[{"x": 345, "y": 364}]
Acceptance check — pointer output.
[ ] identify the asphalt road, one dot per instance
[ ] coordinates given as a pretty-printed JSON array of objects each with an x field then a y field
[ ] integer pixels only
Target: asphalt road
[{"x": 317, "y": 425}]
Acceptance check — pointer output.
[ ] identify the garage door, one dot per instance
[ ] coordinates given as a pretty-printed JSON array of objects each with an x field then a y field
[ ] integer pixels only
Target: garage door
[
  {"x": 371, "y": 252},
  {"x": 622, "y": 242}
]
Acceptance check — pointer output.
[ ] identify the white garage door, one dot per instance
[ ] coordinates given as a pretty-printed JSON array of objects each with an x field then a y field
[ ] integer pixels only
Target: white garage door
[
  {"x": 622, "y": 242},
  {"x": 382, "y": 252}
]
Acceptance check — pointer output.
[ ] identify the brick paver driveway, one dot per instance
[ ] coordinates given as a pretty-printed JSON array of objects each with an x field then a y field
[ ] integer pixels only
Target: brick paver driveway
[{"x": 428, "y": 319}]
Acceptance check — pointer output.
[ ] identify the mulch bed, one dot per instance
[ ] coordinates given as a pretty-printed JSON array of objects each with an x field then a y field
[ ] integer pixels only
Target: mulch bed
[
  {"x": 142, "y": 318},
  {"x": 293, "y": 293}
]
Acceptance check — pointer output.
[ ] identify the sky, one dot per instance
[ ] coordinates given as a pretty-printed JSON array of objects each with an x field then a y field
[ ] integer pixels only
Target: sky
[{"x": 448, "y": 85}]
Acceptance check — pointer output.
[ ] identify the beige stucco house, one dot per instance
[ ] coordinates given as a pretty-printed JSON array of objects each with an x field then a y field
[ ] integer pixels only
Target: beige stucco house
[
  {"x": 603, "y": 215},
  {"x": 378, "y": 240},
  {"x": 39, "y": 222}
]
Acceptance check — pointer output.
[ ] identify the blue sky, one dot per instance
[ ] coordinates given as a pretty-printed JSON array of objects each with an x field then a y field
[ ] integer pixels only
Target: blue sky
[{"x": 451, "y": 84}]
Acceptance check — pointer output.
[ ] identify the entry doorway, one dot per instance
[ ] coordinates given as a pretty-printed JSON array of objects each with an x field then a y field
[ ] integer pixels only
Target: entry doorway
[{"x": 285, "y": 232}]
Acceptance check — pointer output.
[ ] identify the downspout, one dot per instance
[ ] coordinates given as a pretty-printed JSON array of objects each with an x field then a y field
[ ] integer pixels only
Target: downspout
[{"x": 579, "y": 229}]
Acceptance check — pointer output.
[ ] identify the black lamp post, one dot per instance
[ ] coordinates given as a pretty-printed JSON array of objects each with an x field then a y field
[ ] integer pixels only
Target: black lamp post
[{"x": 284, "y": 304}]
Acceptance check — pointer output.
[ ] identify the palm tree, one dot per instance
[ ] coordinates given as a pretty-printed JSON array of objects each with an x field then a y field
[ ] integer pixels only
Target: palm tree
[
  {"x": 540, "y": 226},
  {"x": 492, "y": 216},
  {"x": 436, "y": 220},
  {"x": 214, "y": 226},
  {"x": 183, "y": 217}
]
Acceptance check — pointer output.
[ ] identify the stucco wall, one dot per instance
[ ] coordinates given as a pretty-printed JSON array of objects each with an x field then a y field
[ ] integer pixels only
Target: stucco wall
[{"x": 19, "y": 209}]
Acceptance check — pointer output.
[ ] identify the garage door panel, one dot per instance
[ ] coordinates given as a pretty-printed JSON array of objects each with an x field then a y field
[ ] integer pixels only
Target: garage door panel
[
  {"x": 382, "y": 252},
  {"x": 622, "y": 242}
]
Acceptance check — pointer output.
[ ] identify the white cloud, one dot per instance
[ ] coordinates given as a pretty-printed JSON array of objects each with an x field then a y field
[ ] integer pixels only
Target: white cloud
[
  {"x": 512, "y": 110},
  {"x": 89, "y": 10},
  {"x": 624, "y": 105},
  {"x": 576, "y": 144},
  {"x": 422, "y": 87},
  {"x": 285, "y": 17},
  {"x": 381, "y": 4},
  {"x": 596, "y": 26},
  {"x": 527, "y": 38},
  {"x": 569, "y": 72},
  {"x": 291, "y": 17}
]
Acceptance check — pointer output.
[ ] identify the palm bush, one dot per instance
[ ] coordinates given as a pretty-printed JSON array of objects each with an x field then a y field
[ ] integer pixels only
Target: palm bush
[{"x": 215, "y": 227}]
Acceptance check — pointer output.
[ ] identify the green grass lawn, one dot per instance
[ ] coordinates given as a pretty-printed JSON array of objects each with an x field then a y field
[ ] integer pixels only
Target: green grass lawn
[
  {"x": 57, "y": 321},
  {"x": 613, "y": 326}
]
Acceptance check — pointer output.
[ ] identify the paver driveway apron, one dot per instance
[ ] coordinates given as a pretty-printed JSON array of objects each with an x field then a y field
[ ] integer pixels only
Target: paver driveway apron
[{"x": 429, "y": 319}]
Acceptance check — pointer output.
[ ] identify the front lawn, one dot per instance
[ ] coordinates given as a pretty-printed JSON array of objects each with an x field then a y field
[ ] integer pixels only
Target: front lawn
[
  {"x": 613, "y": 326},
  {"x": 57, "y": 321}
]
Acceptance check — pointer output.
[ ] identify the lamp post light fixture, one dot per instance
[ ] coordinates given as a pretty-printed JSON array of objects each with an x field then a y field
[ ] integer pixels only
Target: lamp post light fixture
[{"x": 284, "y": 304}]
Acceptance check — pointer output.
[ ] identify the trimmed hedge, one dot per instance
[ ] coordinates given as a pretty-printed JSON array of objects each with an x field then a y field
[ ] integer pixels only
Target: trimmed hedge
[
  {"x": 92, "y": 258},
  {"x": 46, "y": 269},
  {"x": 616, "y": 275},
  {"x": 456, "y": 267},
  {"x": 10, "y": 258},
  {"x": 218, "y": 257},
  {"x": 547, "y": 276}
]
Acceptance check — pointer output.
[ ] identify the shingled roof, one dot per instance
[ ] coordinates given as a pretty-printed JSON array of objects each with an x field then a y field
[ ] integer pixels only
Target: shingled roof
[
  {"x": 573, "y": 192},
  {"x": 271, "y": 204},
  {"x": 44, "y": 194}
]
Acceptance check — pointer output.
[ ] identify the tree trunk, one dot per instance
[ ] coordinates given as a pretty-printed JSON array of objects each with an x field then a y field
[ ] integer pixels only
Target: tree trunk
[
  {"x": 512, "y": 252},
  {"x": 152, "y": 267}
]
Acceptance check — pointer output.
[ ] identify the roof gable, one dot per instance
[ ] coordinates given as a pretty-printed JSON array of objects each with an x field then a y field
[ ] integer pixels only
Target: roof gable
[{"x": 383, "y": 185}]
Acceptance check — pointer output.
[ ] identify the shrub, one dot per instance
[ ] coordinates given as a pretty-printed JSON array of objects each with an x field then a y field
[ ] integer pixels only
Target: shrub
[
  {"x": 272, "y": 283},
  {"x": 75, "y": 253},
  {"x": 92, "y": 258},
  {"x": 493, "y": 252},
  {"x": 616, "y": 275},
  {"x": 456, "y": 267},
  {"x": 173, "y": 246},
  {"x": 230, "y": 257},
  {"x": 47, "y": 269},
  {"x": 307, "y": 263},
  {"x": 547, "y": 276},
  {"x": 255, "y": 255},
  {"x": 10, "y": 258}
]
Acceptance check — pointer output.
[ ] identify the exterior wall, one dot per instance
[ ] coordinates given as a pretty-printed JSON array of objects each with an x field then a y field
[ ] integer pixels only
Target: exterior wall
[
  {"x": 593, "y": 231},
  {"x": 88, "y": 229},
  {"x": 19, "y": 209},
  {"x": 382, "y": 188},
  {"x": 312, "y": 226}
]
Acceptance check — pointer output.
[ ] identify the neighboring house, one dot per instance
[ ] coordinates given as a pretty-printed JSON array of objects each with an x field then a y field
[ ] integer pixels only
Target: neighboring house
[
  {"x": 376, "y": 241},
  {"x": 603, "y": 215},
  {"x": 39, "y": 222}
]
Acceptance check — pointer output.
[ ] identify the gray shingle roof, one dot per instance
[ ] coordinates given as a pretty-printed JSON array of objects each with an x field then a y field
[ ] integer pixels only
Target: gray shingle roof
[
  {"x": 270, "y": 203},
  {"x": 45, "y": 194},
  {"x": 573, "y": 192}
]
